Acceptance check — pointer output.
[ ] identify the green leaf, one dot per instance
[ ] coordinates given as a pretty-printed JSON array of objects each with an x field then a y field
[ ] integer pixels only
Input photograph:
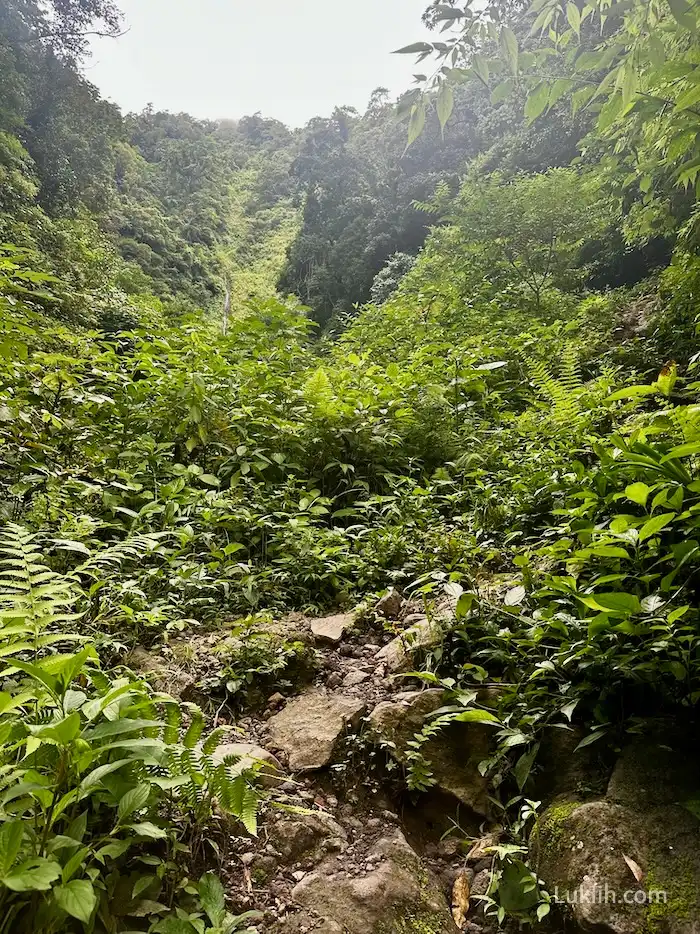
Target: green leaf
[
  {"x": 590, "y": 739},
  {"x": 573, "y": 15},
  {"x": 61, "y": 733},
  {"x": 689, "y": 99},
  {"x": 682, "y": 13},
  {"x": 211, "y": 894},
  {"x": 638, "y": 493},
  {"x": 523, "y": 766},
  {"x": 415, "y": 48},
  {"x": 476, "y": 716},
  {"x": 683, "y": 450},
  {"x": 445, "y": 103},
  {"x": 655, "y": 525},
  {"x": 77, "y": 898},
  {"x": 632, "y": 392},
  {"x": 11, "y": 833},
  {"x": 417, "y": 122},
  {"x": 210, "y": 479},
  {"x": 615, "y": 603},
  {"x": 147, "y": 829},
  {"x": 134, "y": 800},
  {"x": 537, "y": 101},
  {"x": 509, "y": 48},
  {"x": 502, "y": 91},
  {"x": 480, "y": 67},
  {"x": 36, "y": 875}
]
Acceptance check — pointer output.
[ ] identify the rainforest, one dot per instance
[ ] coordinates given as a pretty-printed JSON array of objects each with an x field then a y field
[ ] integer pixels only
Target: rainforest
[{"x": 350, "y": 490}]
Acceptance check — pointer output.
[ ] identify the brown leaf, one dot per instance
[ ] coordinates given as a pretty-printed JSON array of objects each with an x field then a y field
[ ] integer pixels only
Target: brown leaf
[
  {"x": 482, "y": 848},
  {"x": 635, "y": 868},
  {"x": 460, "y": 899}
]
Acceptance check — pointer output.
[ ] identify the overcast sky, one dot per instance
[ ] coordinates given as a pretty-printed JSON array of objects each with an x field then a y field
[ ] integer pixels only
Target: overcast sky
[{"x": 290, "y": 59}]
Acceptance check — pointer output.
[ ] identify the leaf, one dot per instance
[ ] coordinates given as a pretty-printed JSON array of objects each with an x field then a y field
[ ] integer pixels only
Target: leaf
[
  {"x": 11, "y": 833},
  {"x": 502, "y": 91},
  {"x": 134, "y": 800},
  {"x": 537, "y": 101},
  {"x": 461, "y": 892},
  {"x": 480, "y": 67},
  {"x": 638, "y": 493},
  {"x": 415, "y": 48},
  {"x": 590, "y": 739},
  {"x": 683, "y": 450},
  {"x": 573, "y": 15},
  {"x": 476, "y": 716},
  {"x": 635, "y": 868},
  {"x": 147, "y": 829},
  {"x": 523, "y": 766},
  {"x": 210, "y": 479},
  {"x": 655, "y": 525},
  {"x": 682, "y": 13},
  {"x": 509, "y": 48},
  {"x": 568, "y": 709},
  {"x": 35, "y": 875},
  {"x": 632, "y": 392},
  {"x": 417, "y": 122},
  {"x": 77, "y": 898},
  {"x": 211, "y": 894},
  {"x": 611, "y": 602},
  {"x": 515, "y": 596},
  {"x": 445, "y": 103},
  {"x": 653, "y": 603}
]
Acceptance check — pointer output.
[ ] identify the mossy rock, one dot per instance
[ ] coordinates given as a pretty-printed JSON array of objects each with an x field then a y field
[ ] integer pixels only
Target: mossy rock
[{"x": 579, "y": 852}]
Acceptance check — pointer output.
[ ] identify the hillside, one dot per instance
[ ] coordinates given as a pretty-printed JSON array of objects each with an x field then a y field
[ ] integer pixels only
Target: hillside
[{"x": 349, "y": 488}]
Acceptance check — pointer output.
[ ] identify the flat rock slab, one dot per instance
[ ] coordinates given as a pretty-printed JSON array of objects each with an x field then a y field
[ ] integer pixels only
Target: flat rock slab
[
  {"x": 311, "y": 726},
  {"x": 332, "y": 629}
]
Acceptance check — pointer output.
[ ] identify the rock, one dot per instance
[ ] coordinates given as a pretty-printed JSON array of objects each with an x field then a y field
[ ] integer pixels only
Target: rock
[
  {"x": 249, "y": 755},
  {"x": 398, "y": 655},
  {"x": 390, "y": 605},
  {"x": 581, "y": 850},
  {"x": 397, "y": 897},
  {"x": 331, "y": 629},
  {"x": 454, "y": 755},
  {"x": 165, "y": 676},
  {"x": 276, "y": 700},
  {"x": 308, "y": 837},
  {"x": 311, "y": 726},
  {"x": 334, "y": 680},
  {"x": 355, "y": 677}
]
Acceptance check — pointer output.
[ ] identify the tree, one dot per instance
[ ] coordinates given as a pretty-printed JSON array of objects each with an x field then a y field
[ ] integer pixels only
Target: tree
[{"x": 534, "y": 226}]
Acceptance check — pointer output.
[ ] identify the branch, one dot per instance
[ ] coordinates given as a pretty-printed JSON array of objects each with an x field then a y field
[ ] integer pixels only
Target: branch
[{"x": 73, "y": 35}]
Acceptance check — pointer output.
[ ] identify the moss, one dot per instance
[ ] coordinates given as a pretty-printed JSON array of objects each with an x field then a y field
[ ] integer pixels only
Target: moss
[
  {"x": 422, "y": 923},
  {"x": 681, "y": 903},
  {"x": 551, "y": 829}
]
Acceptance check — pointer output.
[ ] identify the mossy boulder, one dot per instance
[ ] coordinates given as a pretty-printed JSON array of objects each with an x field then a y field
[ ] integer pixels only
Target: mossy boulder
[{"x": 630, "y": 862}]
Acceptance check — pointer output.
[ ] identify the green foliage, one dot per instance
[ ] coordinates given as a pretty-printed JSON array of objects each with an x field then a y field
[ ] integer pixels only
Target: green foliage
[{"x": 89, "y": 761}]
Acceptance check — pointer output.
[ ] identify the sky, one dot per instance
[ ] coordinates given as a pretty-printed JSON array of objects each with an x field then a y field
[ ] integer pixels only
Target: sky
[{"x": 289, "y": 59}]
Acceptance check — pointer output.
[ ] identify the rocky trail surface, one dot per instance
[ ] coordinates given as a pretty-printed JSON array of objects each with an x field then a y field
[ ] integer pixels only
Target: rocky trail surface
[{"x": 342, "y": 848}]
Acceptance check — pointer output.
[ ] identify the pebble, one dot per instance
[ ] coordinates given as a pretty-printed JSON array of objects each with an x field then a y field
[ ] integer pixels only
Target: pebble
[
  {"x": 276, "y": 700},
  {"x": 247, "y": 858},
  {"x": 298, "y": 875},
  {"x": 332, "y": 801},
  {"x": 334, "y": 680},
  {"x": 373, "y": 823}
]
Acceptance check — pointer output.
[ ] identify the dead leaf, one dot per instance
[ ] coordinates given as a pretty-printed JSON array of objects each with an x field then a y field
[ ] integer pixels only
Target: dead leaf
[
  {"x": 515, "y": 596},
  {"x": 482, "y": 848},
  {"x": 635, "y": 868},
  {"x": 460, "y": 900}
]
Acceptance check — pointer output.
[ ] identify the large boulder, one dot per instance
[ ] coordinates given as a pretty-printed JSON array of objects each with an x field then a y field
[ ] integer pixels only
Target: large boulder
[
  {"x": 399, "y": 654},
  {"x": 630, "y": 862},
  {"x": 165, "y": 675},
  {"x": 312, "y": 725},
  {"x": 398, "y": 897},
  {"x": 453, "y": 755}
]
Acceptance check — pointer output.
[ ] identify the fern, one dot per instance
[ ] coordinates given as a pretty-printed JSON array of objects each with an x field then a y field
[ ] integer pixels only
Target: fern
[{"x": 33, "y": 598}]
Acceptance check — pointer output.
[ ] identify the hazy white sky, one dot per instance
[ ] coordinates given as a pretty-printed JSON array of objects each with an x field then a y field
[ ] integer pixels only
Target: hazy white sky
[{"x": 290, "y": 59}]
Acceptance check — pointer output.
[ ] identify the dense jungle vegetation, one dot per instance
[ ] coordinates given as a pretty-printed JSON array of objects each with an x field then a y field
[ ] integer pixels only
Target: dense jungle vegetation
[{"x": 247, "y": 369}]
